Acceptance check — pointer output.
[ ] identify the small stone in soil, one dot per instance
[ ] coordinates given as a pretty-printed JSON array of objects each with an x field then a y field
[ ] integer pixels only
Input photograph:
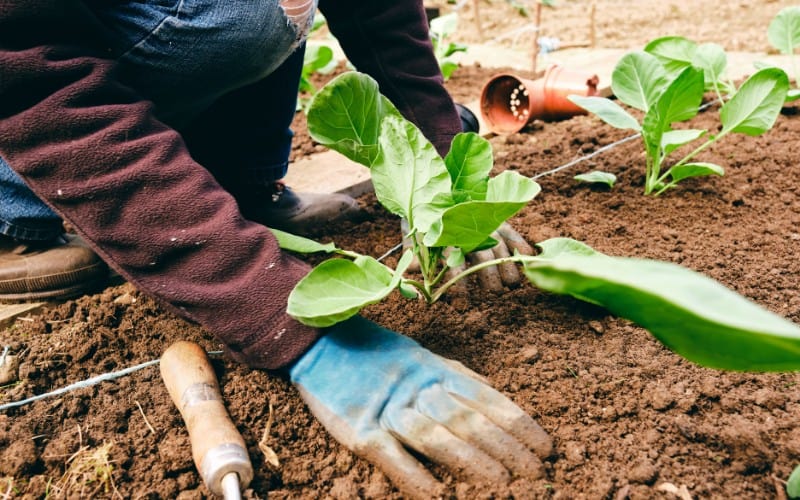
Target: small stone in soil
[{"x": 9, "y": 370}]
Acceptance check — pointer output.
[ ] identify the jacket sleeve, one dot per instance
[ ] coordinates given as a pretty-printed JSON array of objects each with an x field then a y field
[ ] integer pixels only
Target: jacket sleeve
[
  {"x": 92, "y": 150},
  {"x": 390, "y": 41}
]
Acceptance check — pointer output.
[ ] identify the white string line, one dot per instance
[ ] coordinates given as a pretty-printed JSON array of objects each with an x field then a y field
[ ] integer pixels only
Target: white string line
[
  {"x": 587, "y": 157},
  {"x": 390, "y": 251},
  {"x": 87, "y": 383}
]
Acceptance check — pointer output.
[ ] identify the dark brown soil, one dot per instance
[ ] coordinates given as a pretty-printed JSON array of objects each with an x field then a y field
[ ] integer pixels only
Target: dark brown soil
[{"x": 629, "y": 418}]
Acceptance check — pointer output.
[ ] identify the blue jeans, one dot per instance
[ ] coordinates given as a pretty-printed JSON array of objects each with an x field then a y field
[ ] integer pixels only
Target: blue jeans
[{"x": 224, "y": 73}]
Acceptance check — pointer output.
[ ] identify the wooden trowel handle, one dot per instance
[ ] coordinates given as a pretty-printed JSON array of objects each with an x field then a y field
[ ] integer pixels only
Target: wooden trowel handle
[{"x": 217, "y": 447}]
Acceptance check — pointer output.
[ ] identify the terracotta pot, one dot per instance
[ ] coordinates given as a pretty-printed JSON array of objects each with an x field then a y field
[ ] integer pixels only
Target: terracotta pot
[{"x": 509, "y": 102}]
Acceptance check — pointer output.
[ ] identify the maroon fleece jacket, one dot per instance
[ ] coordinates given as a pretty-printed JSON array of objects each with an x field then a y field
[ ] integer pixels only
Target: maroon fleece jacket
[{"x": 93, "y": 150}]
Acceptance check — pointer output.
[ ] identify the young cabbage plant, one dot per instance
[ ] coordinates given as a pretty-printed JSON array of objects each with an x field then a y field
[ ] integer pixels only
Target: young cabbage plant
[
  {"x": 447, "y": 202},
  {"x": 677, "y": 53},
  {"x": 442, "y": 28},
  {"x": 642, "y": 82},
  {"x": 452, "y": 202},
  {"x": 784, "y": 34}
]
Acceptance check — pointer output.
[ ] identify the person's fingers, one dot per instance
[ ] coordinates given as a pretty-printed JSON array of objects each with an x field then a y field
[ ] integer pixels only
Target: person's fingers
[
  {"x": 472, "y": 426},
  {"x": 514, "y": 241},
  {"x": 379, "y": 447},
  {"x": 503, "y": 412},
  {"x": 488, "y": 277},
  {"x": 402, "y": 469},
  {"x": 436, "y": 442},
  {"x": 509, "y": 274},
  {"x": 460, "y": 286}
]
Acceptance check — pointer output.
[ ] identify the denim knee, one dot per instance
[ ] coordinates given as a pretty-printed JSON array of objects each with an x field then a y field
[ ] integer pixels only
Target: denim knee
[
  {"x": 185, "y": 54},
  {"x": 22, "y": 214}
]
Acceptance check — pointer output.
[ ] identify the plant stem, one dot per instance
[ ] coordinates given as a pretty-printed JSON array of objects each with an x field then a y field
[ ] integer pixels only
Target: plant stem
[
  {"x": 716, "y": 89},
  {"x": 419, "y": 286},
  {"x": 701, "y": 148},
  {"x": 652, "y": 169},
  {"x": 483, "y": 265},
  {"x": 348, "y": 253}
]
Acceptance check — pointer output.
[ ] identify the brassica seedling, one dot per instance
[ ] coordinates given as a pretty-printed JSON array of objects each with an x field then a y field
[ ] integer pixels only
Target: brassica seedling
[
  {"x": 452, "y": 202},
  {"x": 784, "y": 34},
  {"x": 442, "y": 28},
  {"x": 641, "y": 81}
]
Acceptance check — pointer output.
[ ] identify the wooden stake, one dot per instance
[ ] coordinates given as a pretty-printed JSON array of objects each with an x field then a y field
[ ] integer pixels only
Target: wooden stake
[{"x": 536, "y": 33}]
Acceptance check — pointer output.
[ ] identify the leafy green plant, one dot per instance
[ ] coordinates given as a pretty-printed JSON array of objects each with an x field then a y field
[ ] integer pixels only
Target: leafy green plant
[
  {"x": 452, "y": 202},
  {"x": 317, "y": 59},
  {"x": 667, "y": 96},
  {"x": 442, "y": 28},
  {"x": 784, "y": 34},
  {"x": 677, "y": 53}
]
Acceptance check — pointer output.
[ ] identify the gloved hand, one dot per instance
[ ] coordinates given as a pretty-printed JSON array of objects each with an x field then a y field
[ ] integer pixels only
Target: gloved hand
[
  {"x": 493, "y": 278},
  {"x": 377, "y": 391}
]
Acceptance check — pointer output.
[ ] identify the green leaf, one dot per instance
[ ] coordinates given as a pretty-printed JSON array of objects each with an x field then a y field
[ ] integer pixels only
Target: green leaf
[
  {"x": 754, "y": 108},
  {"x": 456, "y": 257},
  {"x": 338, "y": 288},
  {"x": 676, "y": 53},
  {"x": 511, "y": 186},
  {"x": 673, "y": 139},
  {"x": 608, "y": 111},
  {"x": 452, "y": 48},
  {"x": 638, "y": 79},
  {"x": 792, "y": 95},
  {"x": 681, "y": 99},
  {"x": 793, "y": 483},
  {"x": 699, "y": 169},
  {"x": 316, "y": 57},
  {"x": 299, "y": 244},
  {"x": 784, "y": 29},
  {"x": 469, "y": 224},
  {"x": 409, "y": 173},
  {"x": 597, "y": 177},
  {"x": 408, "y": 291},
  {"x": 345, "y": 116},
  {"x": 447, "y": 68},
  {"x": 690, "y": 313},
  {"x": 469, "y": 162},
  {"x": 711, "y": 58}
]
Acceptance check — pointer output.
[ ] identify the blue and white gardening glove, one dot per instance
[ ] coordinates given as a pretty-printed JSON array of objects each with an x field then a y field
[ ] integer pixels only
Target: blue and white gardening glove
[{"x": 379, "y": 393}]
